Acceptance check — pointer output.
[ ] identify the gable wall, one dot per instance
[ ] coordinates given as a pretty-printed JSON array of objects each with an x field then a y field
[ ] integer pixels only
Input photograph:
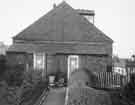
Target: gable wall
[{"x": 88, "y": 54}]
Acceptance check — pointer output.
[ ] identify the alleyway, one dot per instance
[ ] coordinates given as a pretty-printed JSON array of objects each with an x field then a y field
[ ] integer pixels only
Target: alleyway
[{"x": 55, "y": 97}]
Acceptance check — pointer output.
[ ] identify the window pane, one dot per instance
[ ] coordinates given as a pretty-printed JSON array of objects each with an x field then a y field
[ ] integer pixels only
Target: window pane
[
  {"x": 39, "y": 60},
  {"x": 73, "y": 62}
]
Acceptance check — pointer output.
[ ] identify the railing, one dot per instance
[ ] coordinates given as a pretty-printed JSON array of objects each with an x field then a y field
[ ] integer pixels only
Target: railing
[
  {"x": 42, "y": 98},
  {"x": 110, "y": 80}
]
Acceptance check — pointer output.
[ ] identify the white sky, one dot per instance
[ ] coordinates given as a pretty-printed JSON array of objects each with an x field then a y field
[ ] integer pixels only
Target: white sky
[{"x": 116, "y": 18}]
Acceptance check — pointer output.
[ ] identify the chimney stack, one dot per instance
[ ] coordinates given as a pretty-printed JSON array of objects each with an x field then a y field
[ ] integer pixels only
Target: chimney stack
[
  {"x": 54, "y": 5},
  {"x": 88, "y": 14}
]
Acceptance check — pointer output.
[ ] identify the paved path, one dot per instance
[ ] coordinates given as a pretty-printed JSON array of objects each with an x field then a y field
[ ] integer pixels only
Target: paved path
[{"x": 55, "y": 97}]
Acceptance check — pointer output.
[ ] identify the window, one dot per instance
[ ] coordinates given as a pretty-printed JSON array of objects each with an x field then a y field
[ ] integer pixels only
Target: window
[
  {"x": 90, "y": 18},
  {"x": 39, "y": 60},
  {"x": 73, "y": 63}
]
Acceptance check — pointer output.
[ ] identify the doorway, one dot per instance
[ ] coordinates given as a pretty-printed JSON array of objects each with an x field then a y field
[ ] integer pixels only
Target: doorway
[{"x": 73, "y": 63}]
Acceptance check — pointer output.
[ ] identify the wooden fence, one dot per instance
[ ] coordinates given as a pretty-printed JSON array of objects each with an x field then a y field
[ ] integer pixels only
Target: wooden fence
[{"x": 110, "y": 80}]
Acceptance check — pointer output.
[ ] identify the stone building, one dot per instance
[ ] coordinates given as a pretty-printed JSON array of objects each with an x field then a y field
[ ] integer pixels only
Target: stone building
[{"x": 60, "y": 41}]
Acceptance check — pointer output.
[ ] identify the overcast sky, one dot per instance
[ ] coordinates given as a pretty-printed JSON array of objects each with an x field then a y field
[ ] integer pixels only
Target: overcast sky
[{"x": 116, "y": 18}]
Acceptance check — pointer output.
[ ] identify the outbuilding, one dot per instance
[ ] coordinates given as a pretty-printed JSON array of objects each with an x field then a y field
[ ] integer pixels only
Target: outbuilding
[{"x": 61, "y": 41}]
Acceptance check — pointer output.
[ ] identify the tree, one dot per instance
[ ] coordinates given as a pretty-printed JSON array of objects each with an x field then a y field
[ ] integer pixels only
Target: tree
[{"x": 129, "y": 90}]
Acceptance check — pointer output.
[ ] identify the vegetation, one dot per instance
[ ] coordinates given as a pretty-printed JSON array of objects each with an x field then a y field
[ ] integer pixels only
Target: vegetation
[
  {"x": 21, "y": 88},
  {"x": 81, "y": 91},
  {"x": 32, "y": 87},
  {"x": 17, "y": 86},
  {"x": 14, "y": 75},
  {"x": 126, "y": 95},
  {"x": 30, "y": 94},
  {"x": 2, "y": 66},
  {"x": 129, "y": 90}
]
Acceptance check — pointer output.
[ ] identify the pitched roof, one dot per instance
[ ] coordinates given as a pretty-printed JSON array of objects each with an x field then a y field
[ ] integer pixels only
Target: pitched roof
[{"x": 63, "y": 23}]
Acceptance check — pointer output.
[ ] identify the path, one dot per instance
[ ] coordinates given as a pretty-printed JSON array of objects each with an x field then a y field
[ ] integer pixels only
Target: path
[{"x": 55, "y": 97}]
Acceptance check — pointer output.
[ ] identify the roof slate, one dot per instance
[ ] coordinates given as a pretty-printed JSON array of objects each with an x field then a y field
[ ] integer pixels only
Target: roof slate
[{"x": 63, "y": 23}]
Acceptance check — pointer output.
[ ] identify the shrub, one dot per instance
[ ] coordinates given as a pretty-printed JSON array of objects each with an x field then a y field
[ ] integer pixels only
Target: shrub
[
  {"x": 32, "y": 86},
  {"x": 87, "y": 96},
  {"x": 33, "y": 76},
  {"x": 14, "y": 75},
  {"x": 2, "y": 65},
  {"x": 83, "y": 74},
  {"x": 129, "y": 89},
  {"x": 31, "y": 92},
  {"x": 13, "y": 95},
  {"x": 29, "y": 85}
]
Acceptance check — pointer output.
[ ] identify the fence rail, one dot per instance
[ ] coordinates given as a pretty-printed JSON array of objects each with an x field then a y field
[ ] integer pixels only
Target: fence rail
[{"x": 110, "y": 80}]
